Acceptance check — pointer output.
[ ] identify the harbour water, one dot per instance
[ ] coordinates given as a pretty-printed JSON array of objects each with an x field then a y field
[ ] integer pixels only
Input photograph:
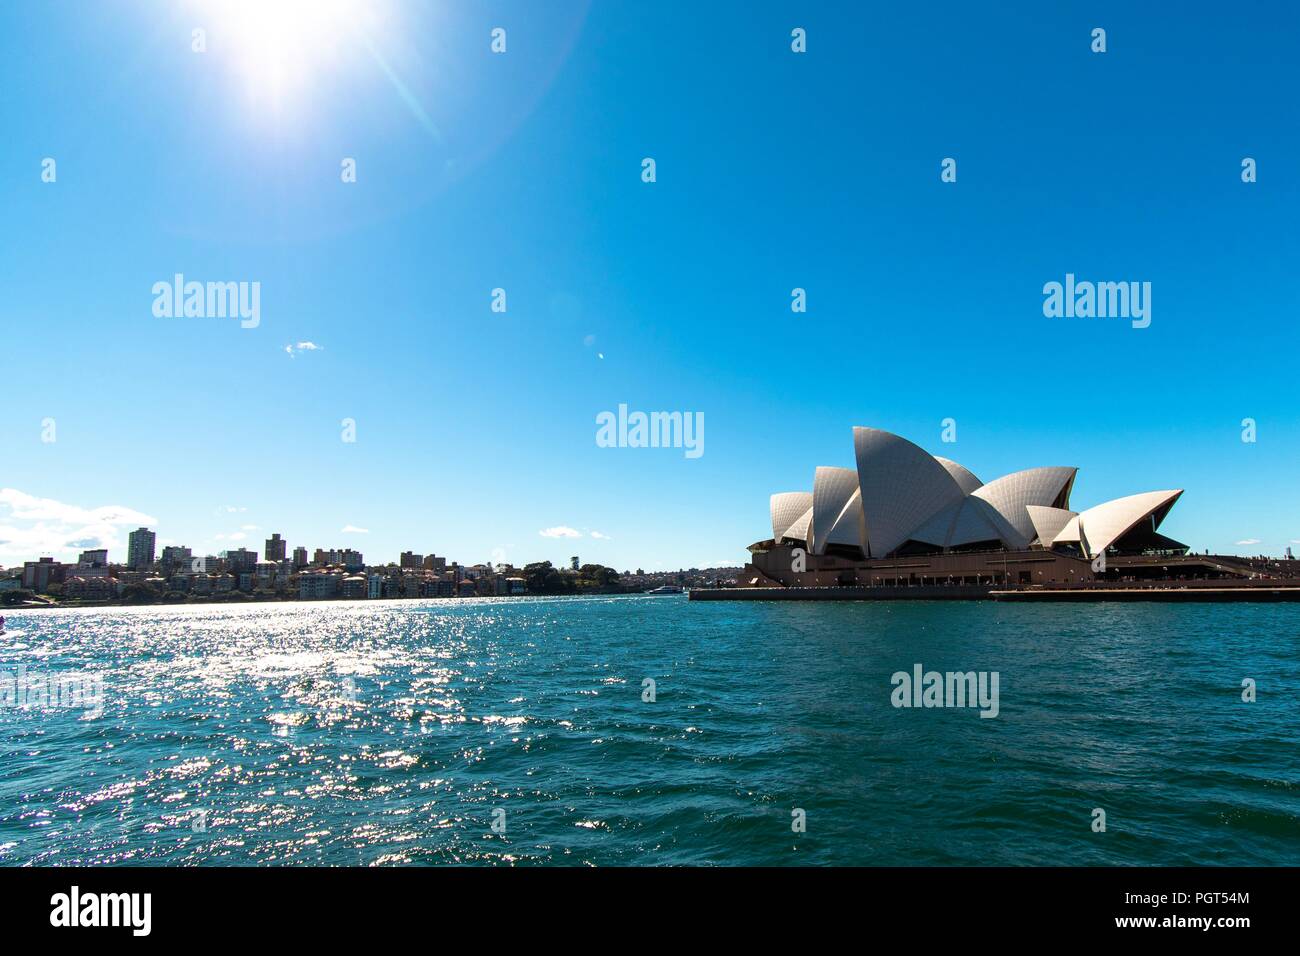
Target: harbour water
[{"x": 522, "y": 731}]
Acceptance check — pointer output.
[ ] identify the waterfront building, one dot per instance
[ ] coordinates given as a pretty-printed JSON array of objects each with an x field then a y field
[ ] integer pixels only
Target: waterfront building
[
  {"x": 265, "y": 572},
  {"x": 39, "y": 575},
  {"x": 240, "y": 560},
  {"x": 140, "y": 549},
  {"x": 375, "y": 585},
  {"x": 176, "y": 558},
  {"x": 411, "y": 560},
  {"x": 355, "y": 586},
  {"x": 275, "y": 548},
  {"x": 904, "y": 517},
  {"x": 92, "y": 564},
  {"x": 89, "y": 588},
  {"x": 316, "y": 585}
]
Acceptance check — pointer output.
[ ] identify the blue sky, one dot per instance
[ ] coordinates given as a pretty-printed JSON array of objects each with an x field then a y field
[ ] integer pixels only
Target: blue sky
[{"x": 475, "y": 430}]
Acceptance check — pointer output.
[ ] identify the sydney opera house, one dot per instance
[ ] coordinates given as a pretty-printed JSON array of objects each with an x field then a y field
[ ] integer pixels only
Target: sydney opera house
[{"x": 906, "y": 518}]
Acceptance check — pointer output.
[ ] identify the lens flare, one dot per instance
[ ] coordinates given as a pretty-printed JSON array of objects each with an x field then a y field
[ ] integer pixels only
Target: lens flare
[{"x": 285, "y": 51}]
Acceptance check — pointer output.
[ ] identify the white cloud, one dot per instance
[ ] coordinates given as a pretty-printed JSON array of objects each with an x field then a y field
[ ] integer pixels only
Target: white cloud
[
  {"x": 292, "y": 349},
  {"x": 248, "y": 527},
  {"x": 560, "y": 531},
  {"x": 230, "y": 509},
  {"x": 602, "y": 537},
  {"x": 1249, "y": 541},
  {"x": 31, "y": 527},
  {"x": 353, "y": 529}
]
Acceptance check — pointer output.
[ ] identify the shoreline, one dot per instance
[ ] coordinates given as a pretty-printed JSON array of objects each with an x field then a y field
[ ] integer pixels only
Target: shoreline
[
  {"x": 1280, "y": 593},
  {"x": 346, "y": 602}
]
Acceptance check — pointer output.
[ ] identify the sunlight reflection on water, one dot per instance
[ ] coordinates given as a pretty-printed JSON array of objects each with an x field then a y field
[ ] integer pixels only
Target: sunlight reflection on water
[{"x": 390, "y": 733}]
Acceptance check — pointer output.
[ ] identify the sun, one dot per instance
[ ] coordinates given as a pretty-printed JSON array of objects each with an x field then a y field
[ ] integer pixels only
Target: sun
[{"x": 283, "y": 51}]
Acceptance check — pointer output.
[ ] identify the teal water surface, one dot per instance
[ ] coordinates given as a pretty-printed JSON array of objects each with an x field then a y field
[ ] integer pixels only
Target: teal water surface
[{"x": 400, "y": 732}]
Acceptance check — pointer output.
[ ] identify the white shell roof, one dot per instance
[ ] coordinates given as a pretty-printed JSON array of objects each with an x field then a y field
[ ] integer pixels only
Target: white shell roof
[
  {"x": 900, "y": 491},
  {"x": 1049, "y": 522},
  {"x": 1070, "y": 533},
  {"x": 799, "y": 530},
  {"x": 833, "y": 488},
  {"x": 1102, "y": 525},
  {"x": 937, "y": 529},
  {"x": 1011, "y": 494},
  {"x": 902, "y": 487},
  {"x": 851, "y": 527},
  {"x": 788, "y": 507},
  {"x": 968, "y": 521},
  {"x": 965, "y": 479}
]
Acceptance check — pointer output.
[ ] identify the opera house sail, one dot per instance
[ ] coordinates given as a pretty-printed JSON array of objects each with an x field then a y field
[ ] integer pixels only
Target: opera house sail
[{"x": 902, "y": 517}]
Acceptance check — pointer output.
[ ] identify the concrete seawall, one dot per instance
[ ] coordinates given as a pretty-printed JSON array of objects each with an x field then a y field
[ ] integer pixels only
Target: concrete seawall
[
  {"x": 971, "y": 592},
  {"x": 954, "y": 592},
  {"x": 1166, "y": 595}
]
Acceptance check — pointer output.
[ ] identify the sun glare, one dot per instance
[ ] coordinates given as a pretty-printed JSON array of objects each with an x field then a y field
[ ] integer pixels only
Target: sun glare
[{"x": 283, "y": 50}]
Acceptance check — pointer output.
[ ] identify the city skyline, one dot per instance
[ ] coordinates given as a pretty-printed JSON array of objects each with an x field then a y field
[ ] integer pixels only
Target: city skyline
[
  {"x": 478, "y": 430},
  {"x": 152, "y": 552}
]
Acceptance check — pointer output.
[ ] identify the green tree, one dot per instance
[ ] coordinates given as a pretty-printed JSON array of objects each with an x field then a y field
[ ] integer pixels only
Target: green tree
[{"x": 17, "y": 596}]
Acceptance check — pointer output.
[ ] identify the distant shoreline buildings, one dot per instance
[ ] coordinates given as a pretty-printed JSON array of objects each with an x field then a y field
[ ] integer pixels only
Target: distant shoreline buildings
[{"x": 179, "y": 576}]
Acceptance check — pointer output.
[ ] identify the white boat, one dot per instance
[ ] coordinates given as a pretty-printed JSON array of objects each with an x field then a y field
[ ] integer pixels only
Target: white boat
[{"x": 666, "y": 589}]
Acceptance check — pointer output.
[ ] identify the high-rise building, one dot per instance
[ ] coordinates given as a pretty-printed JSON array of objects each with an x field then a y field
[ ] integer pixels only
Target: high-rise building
[
  {"x": 411, "y": 560},
  {"x": 240, "y": 560},
  {"x": 299, "y": 558},
  {"x": 38, "y": 575},
  {"x": 275, "y": 547},
  {"x": 434, "y": 563},
  {"x": 177, "y": 558},
  {"x": 140, "y": 549},
  {"x": 92, "y": 564}
]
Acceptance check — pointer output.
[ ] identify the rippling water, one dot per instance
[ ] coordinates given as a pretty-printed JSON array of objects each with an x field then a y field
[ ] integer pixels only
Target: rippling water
[{"x": 393, "y": 732}]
